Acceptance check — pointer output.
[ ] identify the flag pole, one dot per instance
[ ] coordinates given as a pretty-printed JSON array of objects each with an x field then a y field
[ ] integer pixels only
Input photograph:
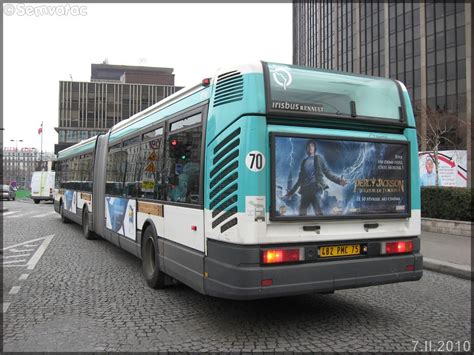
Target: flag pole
[{"x": 41, "y": 154}]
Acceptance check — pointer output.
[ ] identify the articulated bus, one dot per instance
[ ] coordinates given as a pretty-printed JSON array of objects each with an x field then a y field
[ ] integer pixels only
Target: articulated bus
[{"x": 265, "y": 180}]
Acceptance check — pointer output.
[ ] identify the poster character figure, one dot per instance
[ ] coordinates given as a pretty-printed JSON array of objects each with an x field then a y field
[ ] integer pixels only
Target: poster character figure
[
  {"x": 131, "y": 218},
  {"x": 68, "y": 196},
  {"x": 311, "y": 180},
  {"x": 429, "y": 178}
]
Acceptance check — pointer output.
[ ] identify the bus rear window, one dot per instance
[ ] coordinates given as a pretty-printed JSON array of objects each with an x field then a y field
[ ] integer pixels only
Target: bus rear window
[{"x": 292, "y": 89}]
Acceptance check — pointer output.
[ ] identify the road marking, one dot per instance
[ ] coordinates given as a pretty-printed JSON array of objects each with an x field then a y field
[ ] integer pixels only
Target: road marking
[
  {"x": 17, "y": 215},
  {"x": 24, "y": 276},
  {"x": 20, "y": 215},
  {"x": 20, "y": 247},
  {"x": 26, "y": 244},
  {"x": 5, "y": 306},
  {"x": 15, "y": 256},
  {"x": 36, "y": 256},
  {"x": 14, "y": 290},
  {"x": 9, "y": 213},
  {"x": 44, "y": 214},
  {"x": 7, "y": 263},
  {"x": 21, "y": 251}
]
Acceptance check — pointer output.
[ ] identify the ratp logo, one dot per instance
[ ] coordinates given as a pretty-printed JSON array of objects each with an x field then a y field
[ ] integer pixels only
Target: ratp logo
[{"x": 282, "y": 77}]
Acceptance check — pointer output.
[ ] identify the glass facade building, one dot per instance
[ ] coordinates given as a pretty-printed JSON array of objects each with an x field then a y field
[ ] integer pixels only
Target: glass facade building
[{"x": 427, "y": 45}]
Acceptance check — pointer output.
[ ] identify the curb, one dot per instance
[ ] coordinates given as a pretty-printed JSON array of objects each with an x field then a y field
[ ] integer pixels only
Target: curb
[{"x": 444, "y": 267}]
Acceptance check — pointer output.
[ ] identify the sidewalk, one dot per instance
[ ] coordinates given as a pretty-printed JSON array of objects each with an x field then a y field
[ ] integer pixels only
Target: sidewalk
[{"x": 448, "y": 254}]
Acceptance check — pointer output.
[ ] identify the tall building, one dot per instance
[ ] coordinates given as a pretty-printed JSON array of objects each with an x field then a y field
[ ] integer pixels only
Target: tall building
[
  {"x": 114, "y": 93},
  {"x": 20, "y": 163},
  {"x": 427, "y": 45}
]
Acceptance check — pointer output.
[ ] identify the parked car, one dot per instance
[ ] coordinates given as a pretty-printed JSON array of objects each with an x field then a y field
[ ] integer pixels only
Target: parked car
[{"x": 8, "y": 192}]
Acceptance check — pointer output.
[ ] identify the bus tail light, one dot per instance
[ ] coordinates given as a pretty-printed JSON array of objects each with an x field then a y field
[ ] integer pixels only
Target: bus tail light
[
  {"x": 273, "y": 256},
  {"x": 400, "y": 247}
]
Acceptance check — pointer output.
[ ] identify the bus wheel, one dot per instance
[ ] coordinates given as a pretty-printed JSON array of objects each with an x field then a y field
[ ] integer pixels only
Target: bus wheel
[
  {"x": 88, "y": 234},
  {"x": 37, "y": 201},
  {"x": 153, "y": 276},
  {"x": 61, "y": 212}
]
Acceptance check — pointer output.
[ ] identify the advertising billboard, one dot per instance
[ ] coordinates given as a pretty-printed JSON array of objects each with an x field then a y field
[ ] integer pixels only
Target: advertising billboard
[
  {"x": 452, "y": 168},
  {"x": 321, "y": 177},
  {"x": 121, "y": 216}
]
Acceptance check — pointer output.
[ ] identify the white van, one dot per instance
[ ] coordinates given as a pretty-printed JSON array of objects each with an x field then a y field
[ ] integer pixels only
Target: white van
[{"x": 42, "y": 186}]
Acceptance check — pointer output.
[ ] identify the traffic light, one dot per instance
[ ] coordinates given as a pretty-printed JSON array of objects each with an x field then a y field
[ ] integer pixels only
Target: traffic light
[{"x": 179, "y": 150}]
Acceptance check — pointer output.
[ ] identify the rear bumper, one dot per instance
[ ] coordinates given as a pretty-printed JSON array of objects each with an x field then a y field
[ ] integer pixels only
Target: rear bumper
[
  {"x": 228, "y": 279},
  {"x": 42, "y": 198}
]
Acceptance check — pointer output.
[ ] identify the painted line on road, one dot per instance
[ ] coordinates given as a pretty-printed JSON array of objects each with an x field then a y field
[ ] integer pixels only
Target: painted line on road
[
  {"x": 23, "y": 276},
  {"x": 9, "y": 213},
  {"x": 6, "y": 263},
  {"x": 26, "y": 244},
  {"x": 5, "y": 306},
  {"x": 44, "y": 214},
  {"x": 19, "y": 215},
  {"x": 20, "y": 251},
  {"x": 15, "y": 256},
  {"x": 35, "y": 258},
  {"x": 14, "y": 290}
]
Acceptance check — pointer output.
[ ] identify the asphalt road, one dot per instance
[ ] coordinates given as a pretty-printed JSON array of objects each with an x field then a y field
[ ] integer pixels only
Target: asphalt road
[{"x": 64, "y": 293}]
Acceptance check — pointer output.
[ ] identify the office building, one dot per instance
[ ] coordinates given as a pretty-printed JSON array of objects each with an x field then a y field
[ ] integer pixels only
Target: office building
[
  {"x": 427, "y": 45},
  {"x": 114, "y": 93}
]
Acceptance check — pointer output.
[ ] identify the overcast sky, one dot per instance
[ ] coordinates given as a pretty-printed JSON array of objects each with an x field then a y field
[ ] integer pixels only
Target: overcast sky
[{"x": 194, "y": 39}]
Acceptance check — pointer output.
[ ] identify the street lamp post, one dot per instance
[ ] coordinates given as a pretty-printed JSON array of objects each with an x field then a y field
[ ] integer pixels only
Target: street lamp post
[{"x": 17, "y": 156}]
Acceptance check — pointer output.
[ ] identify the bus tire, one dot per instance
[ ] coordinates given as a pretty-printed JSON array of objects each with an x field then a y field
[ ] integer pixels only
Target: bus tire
[
  {"x": 150, "y": 260},
  {"x": 36, "y": 202},
  {"x": 86, "y": 232},
  {"x": 61, "y": 212}
]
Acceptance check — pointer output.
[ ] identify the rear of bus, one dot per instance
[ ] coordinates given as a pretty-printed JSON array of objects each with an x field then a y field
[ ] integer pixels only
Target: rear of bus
[{"x": 311, "y": 183}]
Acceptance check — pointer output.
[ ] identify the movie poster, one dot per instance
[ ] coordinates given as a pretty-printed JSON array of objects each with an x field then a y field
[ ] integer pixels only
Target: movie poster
[
  {"x": 120, "y": 216},
  {"x": 317, "y": 177}
]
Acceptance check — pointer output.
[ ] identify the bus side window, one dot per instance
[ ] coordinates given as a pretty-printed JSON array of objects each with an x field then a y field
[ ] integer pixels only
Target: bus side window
[
  {"x": 132, "y": 167},
  {"x": 116, "y": 163},
  {"x": 183, "y": 162},
  {"x": 151, "y": 165},
  {"x": 57, "y": 175}
]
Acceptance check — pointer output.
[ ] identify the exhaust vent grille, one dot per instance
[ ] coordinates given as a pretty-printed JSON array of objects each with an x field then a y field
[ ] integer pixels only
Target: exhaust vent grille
[
  {"x": 223, "y": 181},
  {"x": 229, "y": 88}
]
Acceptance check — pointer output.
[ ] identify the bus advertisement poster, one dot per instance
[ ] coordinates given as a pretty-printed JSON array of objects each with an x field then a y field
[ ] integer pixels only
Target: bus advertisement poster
[
  {"x": 120, "y": 216},
  {"x": 324, "y": 177},
  {"x": 70, "y": 200}
]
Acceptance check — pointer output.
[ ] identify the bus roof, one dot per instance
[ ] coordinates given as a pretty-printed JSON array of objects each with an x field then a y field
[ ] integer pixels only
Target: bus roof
[
  {"x": 305, "y": 90},
  {"x": 78, "y": 148}
]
